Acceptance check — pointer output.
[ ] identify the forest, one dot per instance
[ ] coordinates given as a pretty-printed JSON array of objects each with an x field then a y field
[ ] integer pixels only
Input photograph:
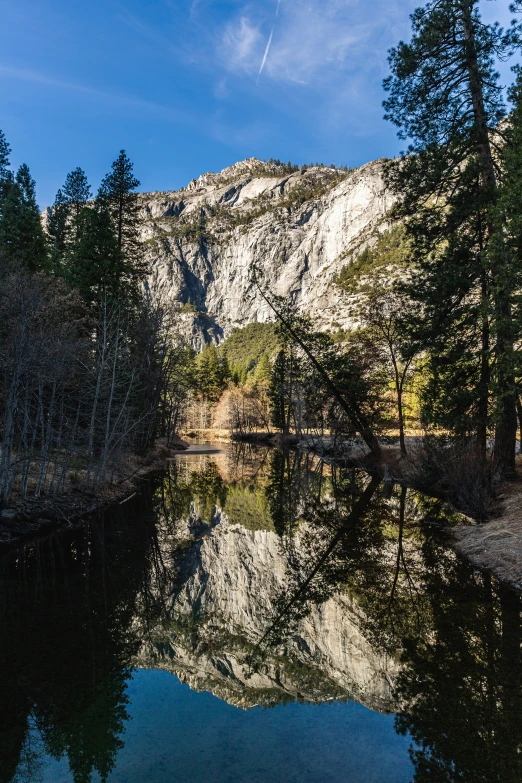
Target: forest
[{"x": 94, "y": 371}]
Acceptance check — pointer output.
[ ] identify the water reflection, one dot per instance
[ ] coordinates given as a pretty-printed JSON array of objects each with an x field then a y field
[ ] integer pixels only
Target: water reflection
[
  {"x": 67, "y": 606},
  {"x": 263, "y": 577}
]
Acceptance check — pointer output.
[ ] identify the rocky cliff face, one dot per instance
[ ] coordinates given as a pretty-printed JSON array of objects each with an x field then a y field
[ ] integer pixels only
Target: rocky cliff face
[
  {"x": 224, "y": 598},
  {"x": 298, "y": 228}
]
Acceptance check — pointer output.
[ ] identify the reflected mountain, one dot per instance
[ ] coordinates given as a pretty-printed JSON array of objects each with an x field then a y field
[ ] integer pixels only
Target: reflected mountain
[
  {"x": 262, "y": 577},
  {"x": 225, "y": 595}
]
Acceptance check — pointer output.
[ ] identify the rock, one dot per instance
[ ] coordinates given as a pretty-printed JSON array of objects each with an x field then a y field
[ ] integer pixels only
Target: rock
[
  {"x": 224, "y": 594},
  {"x": 299, "y": 229}
]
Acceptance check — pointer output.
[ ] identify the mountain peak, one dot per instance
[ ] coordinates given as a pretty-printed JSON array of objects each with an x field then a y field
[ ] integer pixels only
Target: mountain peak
[{"x": 249, "y": 166}]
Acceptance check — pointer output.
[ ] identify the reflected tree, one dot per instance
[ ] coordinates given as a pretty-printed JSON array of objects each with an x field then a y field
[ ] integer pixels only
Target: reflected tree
[
  {"x": 462, "y": 684},
  {"x": 66, "y": 648},
  {"x": 75, "y": 610}
]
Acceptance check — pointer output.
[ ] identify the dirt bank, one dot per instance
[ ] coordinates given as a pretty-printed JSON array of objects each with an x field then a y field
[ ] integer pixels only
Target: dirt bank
[
  {"x": 25, "y": 519},
  {"x": 496, "y": 545}
]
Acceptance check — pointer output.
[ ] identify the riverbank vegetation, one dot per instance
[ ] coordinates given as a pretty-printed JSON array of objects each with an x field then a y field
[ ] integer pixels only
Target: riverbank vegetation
[{"x": 90, "y": 369}]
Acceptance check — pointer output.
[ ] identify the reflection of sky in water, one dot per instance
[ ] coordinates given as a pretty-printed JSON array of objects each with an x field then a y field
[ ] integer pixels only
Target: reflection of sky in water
[{"x": 178, "y": 735}]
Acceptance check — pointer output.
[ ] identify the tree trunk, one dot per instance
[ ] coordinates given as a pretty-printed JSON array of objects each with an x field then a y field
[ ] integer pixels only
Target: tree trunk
[
  {"x": 483, "y": 390},
  {"x": 519, "y": 414},
  {"x": 399, "y": 381},
  {"x": 505, "y": 433},
  {"x": 355, "y": 416}
]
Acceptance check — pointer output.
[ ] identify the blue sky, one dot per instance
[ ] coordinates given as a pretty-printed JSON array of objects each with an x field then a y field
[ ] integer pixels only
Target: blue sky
[{"x": 188, "y": 86}]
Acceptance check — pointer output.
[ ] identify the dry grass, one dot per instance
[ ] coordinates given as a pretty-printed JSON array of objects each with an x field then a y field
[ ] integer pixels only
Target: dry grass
[
  {"x": 210, "y": 435},
  {"x": 497, "y": 545}
]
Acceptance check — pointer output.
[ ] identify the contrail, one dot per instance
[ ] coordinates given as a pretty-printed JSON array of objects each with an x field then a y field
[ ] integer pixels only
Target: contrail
[
  {"x": 263, "y": 61},
  {"x": 265, "y": 55}
]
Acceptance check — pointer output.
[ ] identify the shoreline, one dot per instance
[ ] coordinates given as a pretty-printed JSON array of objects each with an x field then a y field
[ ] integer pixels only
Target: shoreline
[
  {"x": 493, "y": 546},
  {"x": 27, "y": 520}
]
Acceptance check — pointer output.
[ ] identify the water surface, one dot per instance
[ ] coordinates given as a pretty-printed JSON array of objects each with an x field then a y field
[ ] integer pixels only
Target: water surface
[{"x": 257, "y": 615}]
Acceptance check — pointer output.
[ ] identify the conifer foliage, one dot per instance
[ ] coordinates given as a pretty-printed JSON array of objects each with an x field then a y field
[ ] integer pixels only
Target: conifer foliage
[
  {"x": 118, "y": 195},
  {"x": 88, "y": 358},
  {"x": 22, "y": 238},
  {"x": 5, "y": 173},
  {"x": 63, "y": 224},
  {"x": 446, "y": 98}
]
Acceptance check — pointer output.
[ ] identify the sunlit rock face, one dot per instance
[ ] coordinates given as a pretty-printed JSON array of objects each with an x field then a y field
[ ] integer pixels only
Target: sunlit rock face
[
  {"x": 228, "y": 584},
  {"x": 298, "y": 229}
]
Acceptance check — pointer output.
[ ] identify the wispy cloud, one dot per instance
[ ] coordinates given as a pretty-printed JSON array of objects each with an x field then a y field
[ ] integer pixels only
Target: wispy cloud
[
  {"x": 314, "y": 39},
  {"x": 329, "y": 52},
  {"x": 241, "y": 41},
  {"x": 112, "y": 98}
]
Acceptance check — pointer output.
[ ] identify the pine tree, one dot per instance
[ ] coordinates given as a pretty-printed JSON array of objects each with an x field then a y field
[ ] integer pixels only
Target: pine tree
[
  {"x": 63, "y": 225},
  {"x": 117, "y": 191},
  {"x": 22, "y": 238},
  {"x": 5, "y": 172},
  {"x": 263, "y": 372},
  {"x": 445, "y": 96},
  {"x": 76, "y": 191},
  {"x": 57, "y": 225},
  {"x": 226, "y": 373},
  {"x": 95, "y": 266},
  {"x": 278, "y": 393},
  {"x": 507, "y": 244},
  {"x": 211, "y": 374}
]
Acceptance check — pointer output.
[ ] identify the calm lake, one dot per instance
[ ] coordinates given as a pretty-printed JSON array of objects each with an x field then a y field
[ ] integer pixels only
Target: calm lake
[{"x": 257, "y": 615}]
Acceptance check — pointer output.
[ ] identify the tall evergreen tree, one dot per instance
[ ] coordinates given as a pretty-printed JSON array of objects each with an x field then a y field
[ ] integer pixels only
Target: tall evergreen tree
[
  {"x": 117, "y": 191},
  {"x": 5, "y": 172},
  {"x": 76, "y": 191},
  {"x": 63, "y": 224},
  {"x": 22, "y": 238},
  {"x": 507, "y": 243},
  {"x": 445, "y": 96},
  {"x": 95, "y": 266},
  {"x": 212, "y": 373},
  {"x": 57, "y": 224},
  {"x": 263, "y": 372},
  {"x": 278, "y": 393}
]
